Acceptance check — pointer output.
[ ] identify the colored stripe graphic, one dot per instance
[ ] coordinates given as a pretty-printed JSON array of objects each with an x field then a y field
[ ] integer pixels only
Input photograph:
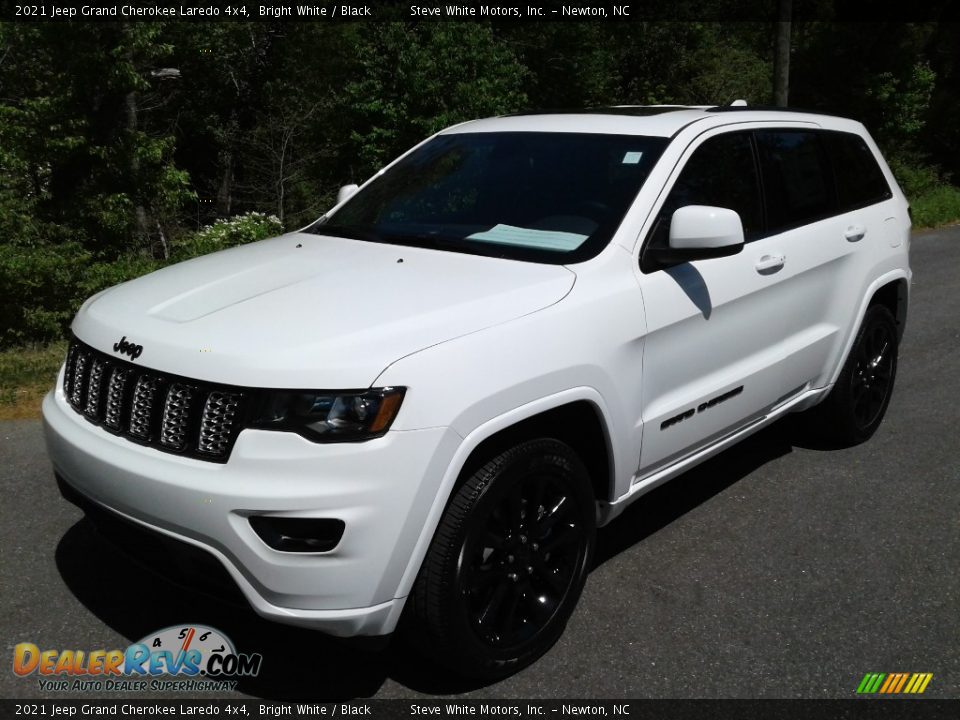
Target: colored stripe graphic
[
  {"x": 894, "y": 683},
  {"x": 903, "y": 679},
  {"x": 891, "y": 681}
]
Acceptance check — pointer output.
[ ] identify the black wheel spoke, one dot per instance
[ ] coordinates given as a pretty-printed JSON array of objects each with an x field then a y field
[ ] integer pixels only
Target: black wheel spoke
[
  {"x": 508, "y": 619},
  {"x": 515, "y": 508},
  {"x": 483, "y": 578},
  {"x": 562, "y": 535},
  {"x": 492, "y": 538},
  {"x": 859, "y": 388},
  {"x": 492, "y": 607},
  {"x": 557, "y": 512},
  {"x": 880, "y": 356},
  {"x": 536, "y": 509},
  {"x": 552, "y": 579}
]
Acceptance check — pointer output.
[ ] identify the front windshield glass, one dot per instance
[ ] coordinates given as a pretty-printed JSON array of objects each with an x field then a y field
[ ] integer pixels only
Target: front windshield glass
[{"x": 544, "y": 197}]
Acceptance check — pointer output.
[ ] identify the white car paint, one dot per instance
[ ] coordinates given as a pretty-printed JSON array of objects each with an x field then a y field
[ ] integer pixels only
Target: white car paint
[{"x": 481, "y": 344}]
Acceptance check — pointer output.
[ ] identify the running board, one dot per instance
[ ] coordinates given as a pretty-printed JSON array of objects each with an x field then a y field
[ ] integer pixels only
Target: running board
[{"x": 642, "y": 485}]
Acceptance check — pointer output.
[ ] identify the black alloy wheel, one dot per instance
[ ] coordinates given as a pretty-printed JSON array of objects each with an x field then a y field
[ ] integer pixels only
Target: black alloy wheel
[
  {"x": 508, "y": 562},
  {"x": 855, "y": 407},
  {"x": 872, "y": 378},
  {"x": 517, "y": 568}
]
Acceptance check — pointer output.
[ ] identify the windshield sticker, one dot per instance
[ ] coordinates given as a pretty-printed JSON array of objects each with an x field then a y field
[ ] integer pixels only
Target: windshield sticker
[
  {"x": 632, "y": 158},
  {"x": 541, "y": 239}
]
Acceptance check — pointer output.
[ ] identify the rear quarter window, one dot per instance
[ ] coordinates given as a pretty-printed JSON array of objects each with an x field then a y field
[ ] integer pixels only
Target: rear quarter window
[{"x": 859, "y": 179}]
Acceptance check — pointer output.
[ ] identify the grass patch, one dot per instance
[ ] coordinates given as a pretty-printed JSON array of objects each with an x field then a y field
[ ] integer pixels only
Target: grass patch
[
  {"x": 937, "y": 206},
  {"x": 26, "y": 374}
]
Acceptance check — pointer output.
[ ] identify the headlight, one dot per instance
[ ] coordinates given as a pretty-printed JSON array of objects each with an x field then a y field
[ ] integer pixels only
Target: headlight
[{"x": 325, "y": 416}]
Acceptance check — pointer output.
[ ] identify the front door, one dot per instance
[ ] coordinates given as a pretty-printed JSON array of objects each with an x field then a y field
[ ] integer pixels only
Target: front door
[{"x": 726, "y": 336}]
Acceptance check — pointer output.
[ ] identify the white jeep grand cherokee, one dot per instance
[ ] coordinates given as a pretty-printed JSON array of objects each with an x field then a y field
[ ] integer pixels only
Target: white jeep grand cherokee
[{"x": 425, "y": 403}]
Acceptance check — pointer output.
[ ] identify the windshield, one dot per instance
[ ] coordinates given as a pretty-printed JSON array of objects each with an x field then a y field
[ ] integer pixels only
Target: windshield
[{"x": 544, "y": 197}]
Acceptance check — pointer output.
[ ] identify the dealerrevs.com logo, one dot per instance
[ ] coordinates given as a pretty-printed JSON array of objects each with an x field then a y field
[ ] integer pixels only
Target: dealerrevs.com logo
[{"x": 196, "y": 657}]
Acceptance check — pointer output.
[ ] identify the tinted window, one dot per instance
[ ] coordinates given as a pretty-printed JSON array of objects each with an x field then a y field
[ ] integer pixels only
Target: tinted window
[
  {"x": 797, "y": 178},
  {"x": 859, "y": 180},
  {"x": 540, "y": 196},
  {"x": 721, "y": 173}
]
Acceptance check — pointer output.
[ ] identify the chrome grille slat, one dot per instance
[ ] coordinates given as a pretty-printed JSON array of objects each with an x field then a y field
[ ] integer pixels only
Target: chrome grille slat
[
  {"x": 176, "y": 415},
  {"x": 69, "y": 369},
  {"x": 94, "y": 384},
  {"x": 170, "y": 413},
  {"x": 113, "y": 408},
  {"x": 79, "y": 375},
  {"x": 217, "y": 422},
  {"x": 144, "y": 399}
]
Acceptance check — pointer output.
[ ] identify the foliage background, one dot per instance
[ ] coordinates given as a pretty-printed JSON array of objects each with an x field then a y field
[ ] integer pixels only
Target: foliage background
[{"x": 109, "y": 167}]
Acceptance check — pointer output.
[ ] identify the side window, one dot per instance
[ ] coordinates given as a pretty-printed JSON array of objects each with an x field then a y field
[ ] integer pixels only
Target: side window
[
  {"x": 722, "y": 173},
  {"x": 797, "y": 178},
  {"x": 860, "y": 181}
]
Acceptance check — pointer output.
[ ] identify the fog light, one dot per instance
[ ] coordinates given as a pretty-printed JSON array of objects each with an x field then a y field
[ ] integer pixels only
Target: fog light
[{"x": 298, "y": 534}]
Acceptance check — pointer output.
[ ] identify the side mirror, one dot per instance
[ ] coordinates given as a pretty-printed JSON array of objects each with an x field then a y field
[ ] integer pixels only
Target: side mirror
[
  {"x": 700, "y": 232},
  {"x": 345, "y": 192}
]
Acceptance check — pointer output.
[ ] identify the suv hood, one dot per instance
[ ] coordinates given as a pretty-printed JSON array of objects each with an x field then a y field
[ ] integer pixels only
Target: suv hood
[{"x": 307, "y": 311}]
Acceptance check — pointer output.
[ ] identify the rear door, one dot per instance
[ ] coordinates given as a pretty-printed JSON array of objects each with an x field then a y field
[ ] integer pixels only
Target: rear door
[{"x": 821, "y": 188}]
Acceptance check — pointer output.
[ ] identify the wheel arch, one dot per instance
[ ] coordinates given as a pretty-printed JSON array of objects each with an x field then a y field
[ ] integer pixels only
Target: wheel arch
[
  {"x": 578, "y": 424},
  {"x": 892, "y": 290},
  {"x": 895, "y": 296},
  {"x": 585, "y": 405}
]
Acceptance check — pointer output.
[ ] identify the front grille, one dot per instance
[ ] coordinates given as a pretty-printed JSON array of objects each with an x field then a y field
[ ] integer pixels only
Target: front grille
[{"x": 167, "y": 412}]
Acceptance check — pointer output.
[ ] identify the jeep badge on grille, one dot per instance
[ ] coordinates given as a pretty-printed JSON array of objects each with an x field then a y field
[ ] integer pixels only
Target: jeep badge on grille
[{"x": 127, "y": 348}]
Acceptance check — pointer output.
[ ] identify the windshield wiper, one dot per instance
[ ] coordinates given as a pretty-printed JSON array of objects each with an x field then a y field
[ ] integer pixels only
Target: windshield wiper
[
  {"x": 422, "y": 240},
  {"x": 347, "y": 231},
  {"x": 430, "y": 240}
]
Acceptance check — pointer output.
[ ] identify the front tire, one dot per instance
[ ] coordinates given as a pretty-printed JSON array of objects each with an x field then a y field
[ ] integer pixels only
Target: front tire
[{"x": 508, "y": 562}]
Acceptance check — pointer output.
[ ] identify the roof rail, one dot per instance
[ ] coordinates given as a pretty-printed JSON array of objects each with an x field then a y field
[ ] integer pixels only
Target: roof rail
[
  {"x": 768, "y": 108},
  {"x": 632, "y": 110}
]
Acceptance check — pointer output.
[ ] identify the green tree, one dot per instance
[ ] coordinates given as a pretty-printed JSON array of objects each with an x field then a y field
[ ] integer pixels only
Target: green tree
[
  {"x": 410, "y": 81},
  {"x": 81, "y": 129}
]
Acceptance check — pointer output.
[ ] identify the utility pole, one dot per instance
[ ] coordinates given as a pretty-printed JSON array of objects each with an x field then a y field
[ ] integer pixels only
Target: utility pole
[{"x": 781, "y": 55}]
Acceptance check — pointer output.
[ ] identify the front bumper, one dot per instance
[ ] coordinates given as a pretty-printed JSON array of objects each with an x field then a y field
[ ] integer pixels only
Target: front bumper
[{"x": 382, "y": 489}]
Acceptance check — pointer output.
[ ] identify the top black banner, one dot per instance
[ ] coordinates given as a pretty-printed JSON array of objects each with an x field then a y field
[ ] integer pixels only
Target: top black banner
[{"x": 471, "y": 11}]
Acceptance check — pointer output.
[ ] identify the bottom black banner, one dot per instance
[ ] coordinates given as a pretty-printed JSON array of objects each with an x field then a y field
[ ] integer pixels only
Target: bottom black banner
[{"x": 516, "y": 709}]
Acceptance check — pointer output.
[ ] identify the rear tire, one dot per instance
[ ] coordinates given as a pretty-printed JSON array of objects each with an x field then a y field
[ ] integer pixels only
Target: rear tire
[
  {"x": 855, "y": 407},
  {"x": 507, "y": 564}
]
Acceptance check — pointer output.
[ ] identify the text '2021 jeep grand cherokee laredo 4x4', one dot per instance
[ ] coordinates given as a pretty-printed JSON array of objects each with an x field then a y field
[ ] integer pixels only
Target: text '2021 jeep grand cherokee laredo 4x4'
[{"x": 428, "y": 400}]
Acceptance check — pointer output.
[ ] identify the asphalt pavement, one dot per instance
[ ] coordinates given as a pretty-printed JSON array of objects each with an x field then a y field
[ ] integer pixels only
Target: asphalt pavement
[{"x": 776, "y": 570}]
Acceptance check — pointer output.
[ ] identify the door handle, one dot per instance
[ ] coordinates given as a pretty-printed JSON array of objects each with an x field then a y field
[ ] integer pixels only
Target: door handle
[
  {"x": 769, "y": 264},
  {"x": 855, "y": 233}
]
